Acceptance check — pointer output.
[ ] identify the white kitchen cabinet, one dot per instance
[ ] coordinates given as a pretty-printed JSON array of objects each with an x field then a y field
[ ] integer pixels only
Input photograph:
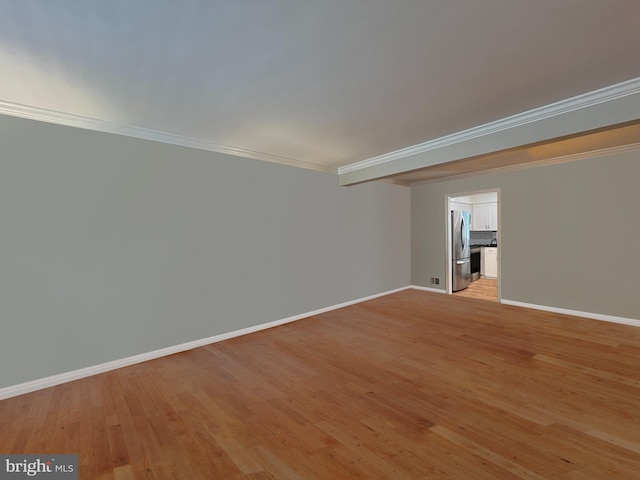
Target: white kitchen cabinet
[
  {"x": 456, "y": 206},
  {"x": 485, "y": 217},
  {"x": 489, "y": 262}
]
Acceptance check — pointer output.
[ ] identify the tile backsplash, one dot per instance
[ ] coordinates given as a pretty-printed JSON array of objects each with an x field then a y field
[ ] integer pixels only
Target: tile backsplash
[{"x": 482, "y": 238}]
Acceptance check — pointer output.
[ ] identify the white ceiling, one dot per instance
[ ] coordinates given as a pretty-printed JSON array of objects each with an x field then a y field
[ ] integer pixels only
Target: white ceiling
[{"x": 321, "y": 84}]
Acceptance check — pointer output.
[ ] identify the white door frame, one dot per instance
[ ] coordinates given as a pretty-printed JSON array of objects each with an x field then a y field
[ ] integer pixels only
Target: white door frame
[{"x": 448, "y": 200}]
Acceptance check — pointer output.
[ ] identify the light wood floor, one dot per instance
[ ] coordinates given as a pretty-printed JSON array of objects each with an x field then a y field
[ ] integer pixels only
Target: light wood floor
[
  {"x": 483, "y": 288},
  {"x": 414, "y": 385}
]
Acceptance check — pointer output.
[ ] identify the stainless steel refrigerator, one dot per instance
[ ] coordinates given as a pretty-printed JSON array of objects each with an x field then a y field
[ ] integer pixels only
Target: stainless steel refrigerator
[{"x": 460, "y": 251}]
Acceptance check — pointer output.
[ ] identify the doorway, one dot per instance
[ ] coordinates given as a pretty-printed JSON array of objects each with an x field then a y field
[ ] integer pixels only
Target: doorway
[{"x": 484, "y": 244}]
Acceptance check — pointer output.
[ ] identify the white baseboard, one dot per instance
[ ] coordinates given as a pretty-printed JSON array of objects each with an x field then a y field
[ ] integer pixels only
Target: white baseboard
[
  {"x": 576, "y": 313},
  {"x": 428, "y": 289},
  {"x": 22, "y": 388}
]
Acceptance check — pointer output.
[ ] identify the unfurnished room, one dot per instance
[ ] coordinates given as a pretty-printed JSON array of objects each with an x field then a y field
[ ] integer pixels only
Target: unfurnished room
[{"x": 363, "y": 239}]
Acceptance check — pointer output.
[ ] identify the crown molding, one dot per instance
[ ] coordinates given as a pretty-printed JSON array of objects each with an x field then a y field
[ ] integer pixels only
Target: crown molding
[
  {"x": 88, "y": 123},
  {"x": 606, "y": 94},
  {"x": 603, "y": 152}
]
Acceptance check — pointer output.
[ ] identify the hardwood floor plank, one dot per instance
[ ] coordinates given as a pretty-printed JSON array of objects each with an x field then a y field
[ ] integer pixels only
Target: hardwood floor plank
[
  {"x": 589, "y": 455},
  {"x": 242, "y": 457},
  {"x": 486, "y": 453},
  {"x": 277, "y": 467},
  {"x": 482, "y": 289},
  {"x": 411, "y": 385},
  {"x": 123, "y": 473}
]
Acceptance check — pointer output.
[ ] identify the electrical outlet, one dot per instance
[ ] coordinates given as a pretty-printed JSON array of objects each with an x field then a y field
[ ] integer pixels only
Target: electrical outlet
[{"x": 435, "y": 281}]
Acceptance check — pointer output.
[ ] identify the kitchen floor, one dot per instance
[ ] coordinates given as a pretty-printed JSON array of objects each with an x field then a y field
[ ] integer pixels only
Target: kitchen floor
[{"x": 484, "y": 289}]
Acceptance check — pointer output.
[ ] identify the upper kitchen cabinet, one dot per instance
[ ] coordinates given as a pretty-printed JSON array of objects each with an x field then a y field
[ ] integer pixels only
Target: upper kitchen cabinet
[
  {"x": 485, "y": 217},
  {"x": 461, "y": 203}
]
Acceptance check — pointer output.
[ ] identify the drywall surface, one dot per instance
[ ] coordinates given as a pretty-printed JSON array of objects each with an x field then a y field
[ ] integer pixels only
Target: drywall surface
[
  {"x": 567, "y": 233},
  {"x": 113, "y": 246}
]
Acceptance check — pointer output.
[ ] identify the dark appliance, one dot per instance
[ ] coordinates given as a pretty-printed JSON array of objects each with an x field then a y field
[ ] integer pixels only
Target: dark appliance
[{"x": 475, "y": 263}]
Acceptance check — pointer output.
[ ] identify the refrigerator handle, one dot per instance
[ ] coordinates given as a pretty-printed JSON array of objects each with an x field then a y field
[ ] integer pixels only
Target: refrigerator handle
[
  {"x": 462, "y": 232},
  {"x": 462, "y": 262}
]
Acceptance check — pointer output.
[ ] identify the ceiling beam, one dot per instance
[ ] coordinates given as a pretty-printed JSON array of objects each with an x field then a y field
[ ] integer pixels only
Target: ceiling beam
[{"x": 602, "y": 108}]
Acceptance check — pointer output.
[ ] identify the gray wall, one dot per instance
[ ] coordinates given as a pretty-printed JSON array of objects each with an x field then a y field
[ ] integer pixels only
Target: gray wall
[
  {"x": 568, "y": 233},
  {"x": 113, "y": 246}
]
